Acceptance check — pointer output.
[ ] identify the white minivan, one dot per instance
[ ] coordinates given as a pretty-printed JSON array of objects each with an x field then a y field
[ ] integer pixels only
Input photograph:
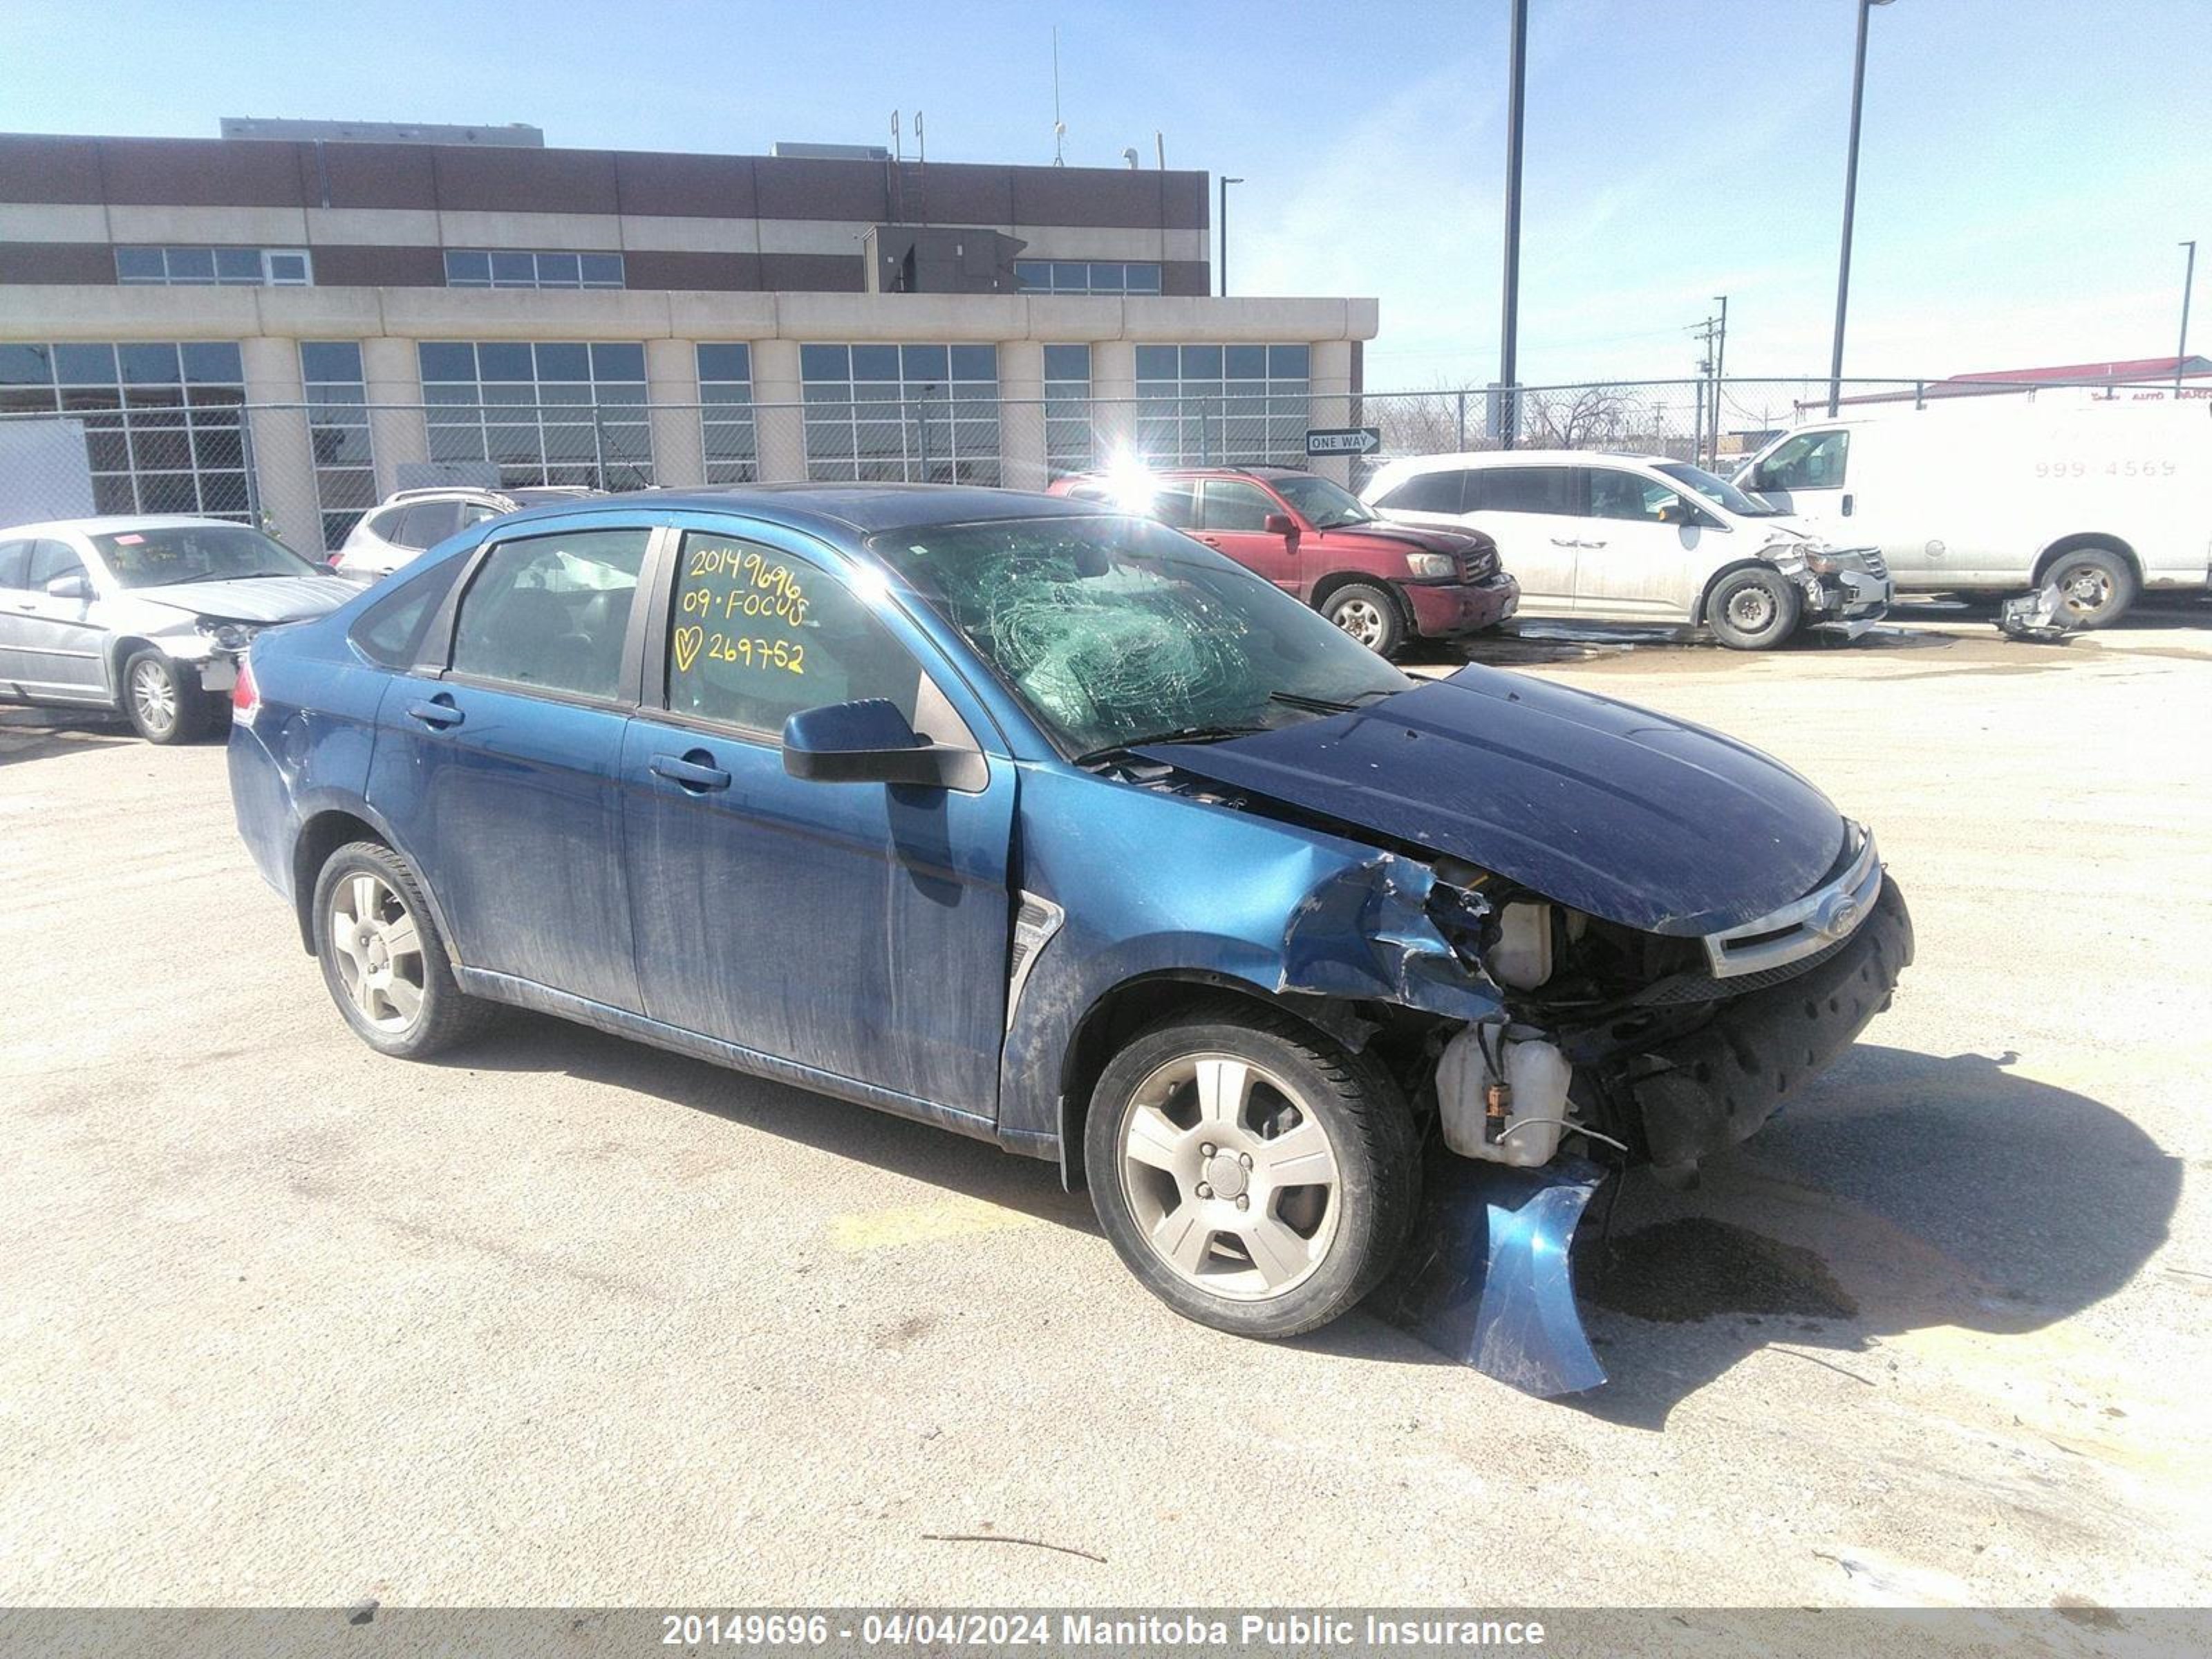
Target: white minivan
[
  {"x": 1619, "y": 538},
  {"x": 2104, "y": 498}
]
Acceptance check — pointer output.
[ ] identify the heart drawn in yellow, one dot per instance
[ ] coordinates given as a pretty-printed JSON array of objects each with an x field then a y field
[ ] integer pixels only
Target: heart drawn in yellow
[{"x": 688, "y": 641}]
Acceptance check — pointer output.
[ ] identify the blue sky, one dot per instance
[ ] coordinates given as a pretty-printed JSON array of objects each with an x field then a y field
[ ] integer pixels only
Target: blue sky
[{"x": 2028, "y": 166}]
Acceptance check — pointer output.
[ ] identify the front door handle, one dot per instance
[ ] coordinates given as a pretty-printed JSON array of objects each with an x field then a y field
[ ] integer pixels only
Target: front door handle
[
  {"x": 694, "y": 771},
  {"x": 439, "y": 712},
  {"x": 1565, "y": 541},
  {"x": 1589, "y": 544},
  {"x": 1847, "y": 507}
]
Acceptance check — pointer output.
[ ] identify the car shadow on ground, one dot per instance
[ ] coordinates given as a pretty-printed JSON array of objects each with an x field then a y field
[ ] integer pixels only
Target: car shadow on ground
[
  {"x": 31, "y": 735},
  {"x": 1903, "y": 1191},
  {"x": 527, "y": 1041}
]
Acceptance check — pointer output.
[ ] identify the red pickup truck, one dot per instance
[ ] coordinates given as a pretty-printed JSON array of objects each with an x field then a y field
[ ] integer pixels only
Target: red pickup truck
[{"x": 1382, "y": 583}]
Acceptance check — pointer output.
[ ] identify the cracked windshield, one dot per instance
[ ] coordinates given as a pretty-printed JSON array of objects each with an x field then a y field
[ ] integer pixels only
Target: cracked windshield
[{"x": 1116, "y": 631}]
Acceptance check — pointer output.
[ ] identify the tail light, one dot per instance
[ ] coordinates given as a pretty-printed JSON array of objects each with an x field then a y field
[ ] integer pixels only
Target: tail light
[{"x": 245, "y": 694}]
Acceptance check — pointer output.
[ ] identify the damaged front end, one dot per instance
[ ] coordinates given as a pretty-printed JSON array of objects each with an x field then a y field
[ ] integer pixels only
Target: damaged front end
[
  {"x": 1843, "y": 590},
  {"x": 1567, "y": 1048}
]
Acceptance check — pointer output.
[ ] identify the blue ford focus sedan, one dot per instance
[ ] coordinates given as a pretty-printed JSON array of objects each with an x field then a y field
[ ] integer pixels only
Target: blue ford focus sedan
[{"x": 1046, "y": 824}]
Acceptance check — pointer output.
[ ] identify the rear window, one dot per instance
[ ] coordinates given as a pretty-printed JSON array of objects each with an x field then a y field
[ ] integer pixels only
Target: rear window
[
  {"x": 1440, "y": 491},
  {"x": 549, "y": 612}
]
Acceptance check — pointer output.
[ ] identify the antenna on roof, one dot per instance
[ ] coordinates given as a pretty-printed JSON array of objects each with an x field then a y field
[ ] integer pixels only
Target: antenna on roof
[
  {"x": 1059, "y": 126},
  {"x": 1160, "y": 143},
  {"x": 898, "y": 147}
]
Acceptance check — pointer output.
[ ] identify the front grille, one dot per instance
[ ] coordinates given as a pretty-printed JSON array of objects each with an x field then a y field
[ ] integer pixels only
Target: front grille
[
  {"x": 1872, "y": 560},
  {"x": 1476, "y": 565}
]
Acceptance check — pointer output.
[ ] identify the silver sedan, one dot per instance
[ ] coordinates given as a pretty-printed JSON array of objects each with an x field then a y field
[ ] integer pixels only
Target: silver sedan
[{"x": 146, "y": 616}]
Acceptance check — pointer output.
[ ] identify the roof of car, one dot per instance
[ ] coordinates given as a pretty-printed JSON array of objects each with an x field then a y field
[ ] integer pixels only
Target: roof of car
[
  {"x": 113, "y": 524},
  {"x": 862, "y": 509},
  {"x": 1526, "y": 458}
]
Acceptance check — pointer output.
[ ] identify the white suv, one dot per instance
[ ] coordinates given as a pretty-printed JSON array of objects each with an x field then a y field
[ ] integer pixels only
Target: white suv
[
  {"x": 410, "y": 520},
  {"x": 1641, "y": 538}
]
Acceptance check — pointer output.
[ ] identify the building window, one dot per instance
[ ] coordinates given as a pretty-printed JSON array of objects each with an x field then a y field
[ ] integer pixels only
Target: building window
[
  {"x": 1069, "y": 443},
  {"x": 902, "y": 413},
  {"x": 338, "y": 431},
  {"x": 726, "y": 413},
  {"x": 1222, "y": 405},
  {"x": 554, "y": 412},
  {"x": 213, "y": 267},
  {"x": 164, "y": 431},
  {"x": 508, "y": 268},
  {"x": 1085, "y": 277}
]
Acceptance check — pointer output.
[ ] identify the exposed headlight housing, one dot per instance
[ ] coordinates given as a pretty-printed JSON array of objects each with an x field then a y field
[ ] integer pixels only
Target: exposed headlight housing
[
  {"x": 227, "y": 635},
  {"x": 1432, "y": 564}
]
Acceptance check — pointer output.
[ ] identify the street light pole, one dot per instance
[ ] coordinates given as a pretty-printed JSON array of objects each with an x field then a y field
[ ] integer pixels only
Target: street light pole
[
  {"x": 2188, "y": 281},
  {"x": 1509, "y": 369},
  {"x": 1225, "y": 183},
  {"x": 1720, "y": 368},
  {"x": 1851, "y": 201}
]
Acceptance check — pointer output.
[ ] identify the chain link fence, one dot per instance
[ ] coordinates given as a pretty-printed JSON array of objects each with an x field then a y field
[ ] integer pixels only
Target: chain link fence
[{"x": 307, "y": 472}]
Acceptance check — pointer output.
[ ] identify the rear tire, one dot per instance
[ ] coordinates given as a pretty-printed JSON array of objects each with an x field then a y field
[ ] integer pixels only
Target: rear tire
[
  {"x": 1753, "y": 609},
  {"x": 2096, "y": 585},
  {"x": 165, "y": 703},
  {"x": 1370, "y": 614},
  {"x": 1252, "y": 1175},
  {"x": 382, "y": 959}
]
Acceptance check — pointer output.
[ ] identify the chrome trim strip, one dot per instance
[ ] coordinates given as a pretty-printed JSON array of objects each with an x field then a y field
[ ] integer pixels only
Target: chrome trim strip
[{"x": 1808, "y": 925}]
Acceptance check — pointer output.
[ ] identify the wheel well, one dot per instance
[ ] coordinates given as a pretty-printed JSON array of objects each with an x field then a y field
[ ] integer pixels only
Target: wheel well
[
  {"x": 1328, "y": 586},
  {"x": 120, "y": 653},
  {"x": 319, "y": 837},
  {"x": 2065, "y": 544},
  {"x": 1119, "y": 1015}
]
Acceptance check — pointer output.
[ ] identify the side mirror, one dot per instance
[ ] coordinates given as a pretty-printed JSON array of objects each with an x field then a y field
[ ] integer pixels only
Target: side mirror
[
  {"x": 71, "y": 586},
  {"x": 1280, "y": 523},
  {"x": 869, "y": 742}
]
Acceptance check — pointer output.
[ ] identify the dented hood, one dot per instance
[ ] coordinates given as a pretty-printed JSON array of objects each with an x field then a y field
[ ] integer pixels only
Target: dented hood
[{"x": 1643, "y": 820}]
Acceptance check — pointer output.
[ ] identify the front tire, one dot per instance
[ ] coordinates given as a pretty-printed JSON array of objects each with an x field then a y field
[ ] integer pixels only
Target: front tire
[
  {"x": 1753, "y": 609},
  {"x": 382, "y": 959},
  {"x": 1253, "y": 1176},
  {"x": 165, "y": 705},
  {"x": 2095, "y": 585},
  {"x": 1370, "y": 614}
]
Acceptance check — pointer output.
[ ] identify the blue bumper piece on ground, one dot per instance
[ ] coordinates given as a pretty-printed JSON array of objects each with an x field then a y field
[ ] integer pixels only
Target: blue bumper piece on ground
[{"x": 1485, "y": 1277}]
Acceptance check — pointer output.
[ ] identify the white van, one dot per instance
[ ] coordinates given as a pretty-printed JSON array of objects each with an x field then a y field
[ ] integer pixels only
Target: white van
[{"x": 2104, "y": 498}]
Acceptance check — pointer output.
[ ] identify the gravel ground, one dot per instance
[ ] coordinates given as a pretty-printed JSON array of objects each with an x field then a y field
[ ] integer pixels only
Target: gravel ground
[{"x": 571, "y": 1320}]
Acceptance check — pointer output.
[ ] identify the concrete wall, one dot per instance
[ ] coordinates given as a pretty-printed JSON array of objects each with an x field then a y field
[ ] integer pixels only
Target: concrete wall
[{"x": 269, "y": 322}]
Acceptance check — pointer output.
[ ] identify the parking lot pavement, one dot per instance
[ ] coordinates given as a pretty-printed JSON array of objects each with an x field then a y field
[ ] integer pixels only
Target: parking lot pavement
[{"x": 572, "y": 1320}]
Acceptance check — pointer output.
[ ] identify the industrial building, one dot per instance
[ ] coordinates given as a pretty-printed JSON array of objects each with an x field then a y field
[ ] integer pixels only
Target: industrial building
[{"x": 293, "y": 320}]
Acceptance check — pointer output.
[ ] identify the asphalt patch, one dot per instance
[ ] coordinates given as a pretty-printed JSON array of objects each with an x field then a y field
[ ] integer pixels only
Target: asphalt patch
[{"x": 1692, "y": 1268}]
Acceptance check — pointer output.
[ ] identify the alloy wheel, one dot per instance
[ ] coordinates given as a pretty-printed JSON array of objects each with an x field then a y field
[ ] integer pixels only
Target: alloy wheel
[
  {"x": 153, "y": 695},
  {"x": 1230, "y": 1178},
  {"x": 377, "y": 947}
]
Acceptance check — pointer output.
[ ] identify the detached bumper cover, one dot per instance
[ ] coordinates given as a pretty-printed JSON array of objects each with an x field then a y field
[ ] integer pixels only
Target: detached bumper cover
[
  {"x": 1441, "y": 609},
  {"x": 1716, "y": 1085}
]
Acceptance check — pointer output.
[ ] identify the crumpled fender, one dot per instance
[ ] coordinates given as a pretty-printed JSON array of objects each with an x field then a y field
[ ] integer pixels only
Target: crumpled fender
[{"x": 1367, "y": 932}]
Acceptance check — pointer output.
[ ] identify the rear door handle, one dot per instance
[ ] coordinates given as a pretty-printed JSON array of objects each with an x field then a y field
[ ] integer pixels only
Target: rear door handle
[
  {"x": 1565, "y": 541},
  {"x": 691, "y": 771},
  {"x": 439, "y": 712},
  {"x": 1847, "y": 507},
  {"x": 1589, "y": 544}
]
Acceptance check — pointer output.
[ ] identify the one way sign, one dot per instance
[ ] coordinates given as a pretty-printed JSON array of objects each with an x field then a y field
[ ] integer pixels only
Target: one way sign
[{"x": 1343, "y": 439}]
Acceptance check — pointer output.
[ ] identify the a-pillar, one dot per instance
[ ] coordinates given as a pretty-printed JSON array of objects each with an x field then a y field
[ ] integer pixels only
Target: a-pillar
[{"x": 283, "y": 454}]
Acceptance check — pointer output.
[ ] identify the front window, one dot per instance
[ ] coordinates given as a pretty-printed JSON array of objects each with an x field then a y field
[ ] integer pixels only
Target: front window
[
  {"x": 167, "y": 555},
  {"x": 1811, "y": 460},
  {"x": 1114, "y": 630},
  {"x": 1325, "y": 506},
  {"x": 1718, "y": 490}
]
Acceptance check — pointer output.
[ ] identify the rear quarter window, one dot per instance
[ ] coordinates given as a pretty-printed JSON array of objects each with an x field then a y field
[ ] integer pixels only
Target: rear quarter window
[{"x": 391, "y": 631}]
